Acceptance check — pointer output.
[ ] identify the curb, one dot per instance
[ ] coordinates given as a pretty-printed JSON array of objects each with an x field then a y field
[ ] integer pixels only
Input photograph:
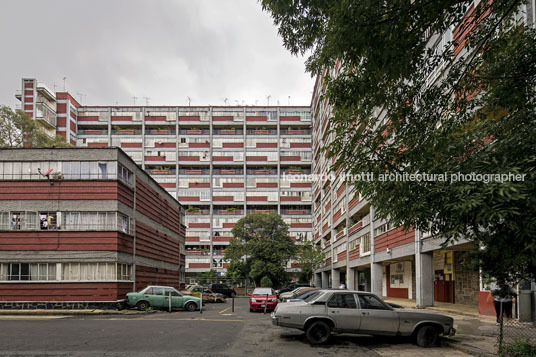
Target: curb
[
  {"x": 463, "y": 347},
  {"x": 69, "y": 312}
]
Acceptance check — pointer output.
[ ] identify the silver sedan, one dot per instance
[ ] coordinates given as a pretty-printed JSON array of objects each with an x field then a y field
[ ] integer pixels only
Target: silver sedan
[{"x": 359, "y": 312}]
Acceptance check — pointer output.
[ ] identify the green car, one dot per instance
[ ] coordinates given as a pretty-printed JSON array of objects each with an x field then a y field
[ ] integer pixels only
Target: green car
[{"x": 158, "y": 297}]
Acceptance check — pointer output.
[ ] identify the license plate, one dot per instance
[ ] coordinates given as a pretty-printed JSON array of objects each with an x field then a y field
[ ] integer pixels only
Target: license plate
[{"x": 263, "y": 305}]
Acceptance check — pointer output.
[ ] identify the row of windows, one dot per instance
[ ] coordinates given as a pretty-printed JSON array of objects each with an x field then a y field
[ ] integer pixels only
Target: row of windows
[
  {"x": 66, "y": 221},
  {"x": 69, "y": 170},
  {"x": 64, "y": 271}
]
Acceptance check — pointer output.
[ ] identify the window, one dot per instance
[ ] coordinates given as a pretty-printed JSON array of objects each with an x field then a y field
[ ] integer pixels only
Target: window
[
  {"x": 27, "y": 271},
  {"x": 158, "y": 291},
  {"x": 342, "y": 301},
  {"x": 48, "y": 220},
  {"x": 173, "y": 292},
  {"x": 370, "y": 302}
]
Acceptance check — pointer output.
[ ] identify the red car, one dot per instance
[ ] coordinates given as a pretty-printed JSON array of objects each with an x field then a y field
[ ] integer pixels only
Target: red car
[{"x": 261, "y": 298}]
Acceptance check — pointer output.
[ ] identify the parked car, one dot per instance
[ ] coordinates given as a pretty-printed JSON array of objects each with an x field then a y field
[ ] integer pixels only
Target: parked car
[
  {"x": 361, "y": 313},
  {"x": 304, "y": 296},
  {"x": 158, "y": 297},
  {"x": 290, "y": 287},
  {"x": 261, "y": 298},
  {"x": 222, "y": 289},
  {"x": 208, "y": 294},
  {"x": 296, "y": 293},
  {"x": 292, "y": 294}
]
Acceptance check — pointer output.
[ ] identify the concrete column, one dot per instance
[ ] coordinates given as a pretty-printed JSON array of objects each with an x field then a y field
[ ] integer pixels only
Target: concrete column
[
  {"x": 318, "y": 280},
  {"x": 335, "y": 278},
  {"x": 350, "y": 279},
  {"x": 376, "y": 277},
  {"x": 424, "y": 274},
  {"x": 325, "y": 280}
]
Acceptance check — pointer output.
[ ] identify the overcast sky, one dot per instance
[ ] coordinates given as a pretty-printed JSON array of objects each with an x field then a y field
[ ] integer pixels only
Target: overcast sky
[{"x": 112, "y": 50}]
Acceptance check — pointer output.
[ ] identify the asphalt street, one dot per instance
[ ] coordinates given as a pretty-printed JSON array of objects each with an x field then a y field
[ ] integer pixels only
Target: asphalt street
[{"x": 216, "y": 332}]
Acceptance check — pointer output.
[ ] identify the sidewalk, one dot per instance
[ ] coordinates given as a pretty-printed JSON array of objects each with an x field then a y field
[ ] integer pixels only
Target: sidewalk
[
  {"x": 475, "y": 334},
  {"x": 69, "y": 312}
]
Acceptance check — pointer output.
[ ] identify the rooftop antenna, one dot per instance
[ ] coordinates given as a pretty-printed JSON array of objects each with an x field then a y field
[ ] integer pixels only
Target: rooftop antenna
[
  {"x": 243, "y": 102},
  {"x": 81, "y": 96},
  {"x": 189, "y": 100},
  {"x": 64, "y": 78},
  {"x": 146, "y": 100},
  {"x": 116, "y": 103},
  {"x": 237, "y": 103},
  {"x": 134, "y": 98},
  {"x": 226, "y": 100},
  {"x": 268, "y": 99},
  {"x": 289, "y": 100},
  {"x": 277, "y": 103},
  {"x": 256, "y": 101},
  {"x": 54, "y": 85}
]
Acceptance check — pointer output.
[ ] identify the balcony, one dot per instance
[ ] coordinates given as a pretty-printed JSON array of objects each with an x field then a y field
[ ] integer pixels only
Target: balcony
[
  {"x": 262, "y": 131},
  {"x": 194, "y": 172},
  {"x": 290, "y": 131},
  {"x": 45, "y": 114},
  {"x": 229, "y": 211},
  {"x": 125, "y": 131},
  {"x": 261, "y": 171},
  {"x": 194, "y": 131},
  {"x": 160, "y": 131},
  {"x": 161, "y": 171},
  {"x": 93, "y": 132},
  {"x": 228, "y": 171},
  {"x": 230, "y": 131},
  {"x": 197, "y": 211}
]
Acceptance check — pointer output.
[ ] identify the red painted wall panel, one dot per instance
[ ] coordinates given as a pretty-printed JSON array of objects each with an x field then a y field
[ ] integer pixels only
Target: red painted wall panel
[
  {"x": 64, "y": 291},
  {"x": 394, "y": 238}
]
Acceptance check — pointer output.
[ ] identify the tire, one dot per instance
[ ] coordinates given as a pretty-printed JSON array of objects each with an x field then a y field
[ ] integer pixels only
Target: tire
[
  {"x": 427, "y": 336},
  {"x": 251, "y": 310},
  {"x": 143, "y": 305},
  {"x": 318, "y": 333},
  {"x": 190, "y": 306},
  {"x": 233, "y": 294}
]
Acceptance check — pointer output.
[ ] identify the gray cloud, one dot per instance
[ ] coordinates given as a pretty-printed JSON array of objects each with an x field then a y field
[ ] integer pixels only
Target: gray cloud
[{"x": 166, "y": 50}]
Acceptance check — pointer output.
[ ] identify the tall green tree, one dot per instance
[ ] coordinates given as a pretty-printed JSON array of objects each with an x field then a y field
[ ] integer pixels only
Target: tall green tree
[
  {"x": 310, "y": 257},
  {"x": 391, "y": 117},
  {"x": 16, "y": 128},
  {"x": 261, "y": 247}
]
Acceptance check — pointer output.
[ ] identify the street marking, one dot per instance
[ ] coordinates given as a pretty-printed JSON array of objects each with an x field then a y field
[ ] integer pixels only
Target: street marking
[
  {"x": 31, "y": 317},
  {"x": 167, "y": 319},
  {"x": 224, "y": 310}
]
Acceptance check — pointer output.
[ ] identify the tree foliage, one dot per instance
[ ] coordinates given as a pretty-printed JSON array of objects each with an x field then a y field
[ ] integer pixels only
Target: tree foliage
[
  {"x": 261, "y": 247},
  {"x": 16, "y": 127},
  {"x": 478, "y": 117},
  {"x": 212, "y": 273},
  {"x": 310, "y": 257}
]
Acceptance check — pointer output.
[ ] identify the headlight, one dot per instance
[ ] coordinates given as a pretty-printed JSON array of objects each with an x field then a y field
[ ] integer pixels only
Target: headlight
[
  {"x": 252, "y": 300},
  {"x": 274, "y": 300}
]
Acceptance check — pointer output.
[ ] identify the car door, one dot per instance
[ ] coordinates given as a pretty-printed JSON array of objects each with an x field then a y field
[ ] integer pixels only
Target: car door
[
  {"x": 156, "y": 299},
  {"x": 342, "y": 308},
  {"x": 176, "y": 301},
  {"x": 376, "y": 317}
]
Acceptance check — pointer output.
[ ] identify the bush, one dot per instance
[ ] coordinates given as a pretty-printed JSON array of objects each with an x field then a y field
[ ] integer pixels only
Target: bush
[
  {"x": 520, "y": 347},
  {"x": 266, "y": 282}
]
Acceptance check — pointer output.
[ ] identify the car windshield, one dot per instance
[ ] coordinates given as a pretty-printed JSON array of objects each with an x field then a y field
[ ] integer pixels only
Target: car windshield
[
  {"x": 312, "y": 297},
  {"x": 263, "y": 291}
]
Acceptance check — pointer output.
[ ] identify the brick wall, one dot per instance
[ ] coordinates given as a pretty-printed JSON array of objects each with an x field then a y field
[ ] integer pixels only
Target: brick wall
[{"x": 466, "y": 282}]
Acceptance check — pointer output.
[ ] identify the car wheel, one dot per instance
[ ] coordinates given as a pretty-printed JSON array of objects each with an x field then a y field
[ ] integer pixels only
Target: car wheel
[
  {"x": 190, "y": 306},
  {"x": 427, "y": 336},
  {"x": 318, "y": 332},
  {"x": 233, "y": 294},
  {"x": 143, "y": 305}
]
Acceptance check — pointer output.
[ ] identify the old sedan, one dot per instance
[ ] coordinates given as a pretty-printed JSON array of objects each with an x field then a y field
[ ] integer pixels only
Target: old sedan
[
  {"x": 346, "y": 311},
  {"x": 159, "y": 296}
]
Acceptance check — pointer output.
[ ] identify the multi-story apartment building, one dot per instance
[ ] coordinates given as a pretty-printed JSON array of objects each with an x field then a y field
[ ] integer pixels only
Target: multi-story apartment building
[
  {"x": 82, "y": 227},
  {"x": 218, "y": 162}
]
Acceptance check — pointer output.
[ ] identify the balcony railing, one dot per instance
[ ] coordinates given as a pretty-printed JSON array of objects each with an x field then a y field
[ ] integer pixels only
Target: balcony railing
[
  {"x": 227, "y": 171},
  {"x": 228, "y": 131},
  {"x": 194, "y": 172},
  {"x": 262, "y": 131},
  {"x": 126, "y": 131},
  {"x": 228, "y": 211},
  {"x": 45, "y": 113},
  {"x": 160, "y": 131},
  {"x": 194, "y": 131},
  {"x": 92, "y": 132},
  {"x": 295, "y": 131}
]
